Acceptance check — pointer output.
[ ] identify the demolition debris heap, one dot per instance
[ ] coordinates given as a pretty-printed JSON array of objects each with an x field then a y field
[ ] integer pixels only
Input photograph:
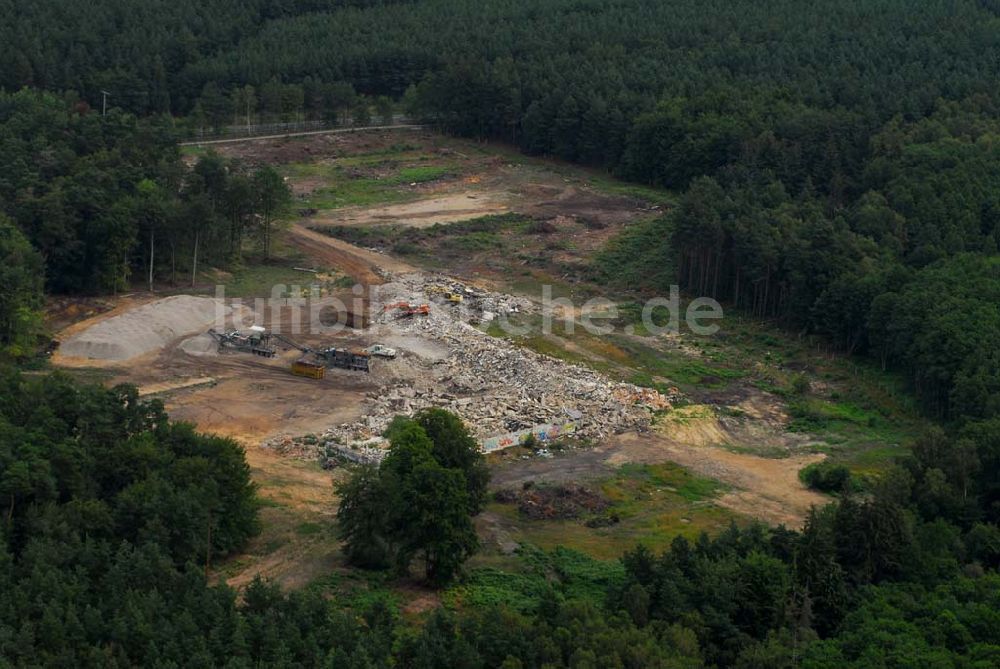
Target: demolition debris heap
[{"x": 496, "y": 386}]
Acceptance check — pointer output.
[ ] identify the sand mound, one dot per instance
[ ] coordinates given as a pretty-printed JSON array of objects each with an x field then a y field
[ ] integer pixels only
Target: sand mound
[
  {"x": 200, "y": 345},
  {"x": 146, "y": 328}
]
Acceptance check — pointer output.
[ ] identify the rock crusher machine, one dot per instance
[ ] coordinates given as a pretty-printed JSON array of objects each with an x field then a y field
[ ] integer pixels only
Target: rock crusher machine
[{"x": 312, "y": 364}]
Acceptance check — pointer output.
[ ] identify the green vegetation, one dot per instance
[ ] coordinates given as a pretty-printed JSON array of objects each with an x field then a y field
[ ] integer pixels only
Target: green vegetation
[
  {"x": 110, "y": 512},
  {"x": 652, "y": 504},
  {"x": 109, "y": 507},
  {"x": 538, "y": 575},
  {"x": 642, "y": 193},
  {"x": 22, "y": 278},
  {"x": 422, "y": 174},
  {"x": 638, "y": 259},
  {"x": 365, "y": 180},
  {"x": 257, "y": 279},
  {"x": 419, "y": 502},
  {"x": 827, "y": 477},
  {"x": 106, "y": 200},
  {"x": 677, "y": 368}
]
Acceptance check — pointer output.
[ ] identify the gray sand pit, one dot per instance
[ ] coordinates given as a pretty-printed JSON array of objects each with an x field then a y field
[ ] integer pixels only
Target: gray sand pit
[{"x": 146, "y": 328}]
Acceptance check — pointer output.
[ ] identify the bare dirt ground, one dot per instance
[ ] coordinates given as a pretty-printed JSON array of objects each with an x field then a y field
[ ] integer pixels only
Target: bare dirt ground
[
  {"x": 233, "y": 394},
  {"x": 765, "y": 489},
  {"x": 143, "y": 329},
  {"x": 460, "y": 206},
  {"x": 251, "y": 400},
  {"x": 754, "y": 454},
  {"x": 297, "y": 544},
  {"x": 478, "y": 180},
  {"x": 365, "y": 267}
]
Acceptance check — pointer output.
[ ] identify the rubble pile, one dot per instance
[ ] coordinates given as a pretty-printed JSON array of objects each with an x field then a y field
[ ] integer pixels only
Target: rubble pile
[
  {"x": 558, "y": 502},
  {"x": 496, "y": 386},
  {"x": 477, "y": 305}
]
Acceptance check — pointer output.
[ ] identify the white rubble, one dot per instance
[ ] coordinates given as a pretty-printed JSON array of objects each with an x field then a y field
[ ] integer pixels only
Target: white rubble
[{"x": 496, "y": 386}]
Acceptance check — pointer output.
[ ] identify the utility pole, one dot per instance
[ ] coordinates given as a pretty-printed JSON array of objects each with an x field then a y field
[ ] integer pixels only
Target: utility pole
[{"x": 104, "y": 102}]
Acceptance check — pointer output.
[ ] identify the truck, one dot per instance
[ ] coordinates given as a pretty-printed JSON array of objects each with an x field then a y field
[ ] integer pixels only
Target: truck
[{"x": 381, "y": 351}]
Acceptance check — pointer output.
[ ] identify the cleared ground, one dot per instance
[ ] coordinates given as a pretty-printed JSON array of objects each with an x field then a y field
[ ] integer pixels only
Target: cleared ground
[{"x": 374, "y": 206}]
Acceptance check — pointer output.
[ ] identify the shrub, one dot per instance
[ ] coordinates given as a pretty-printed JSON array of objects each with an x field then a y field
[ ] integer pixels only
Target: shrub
[{"x": 826, "y": 477}]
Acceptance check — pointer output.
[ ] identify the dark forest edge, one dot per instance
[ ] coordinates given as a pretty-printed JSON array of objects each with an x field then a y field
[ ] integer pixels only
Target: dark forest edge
[{"x": 828, "y": 182}]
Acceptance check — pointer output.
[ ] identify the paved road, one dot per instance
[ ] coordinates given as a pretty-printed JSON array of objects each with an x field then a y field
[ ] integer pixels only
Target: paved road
[{"x": 305, "y": 133}]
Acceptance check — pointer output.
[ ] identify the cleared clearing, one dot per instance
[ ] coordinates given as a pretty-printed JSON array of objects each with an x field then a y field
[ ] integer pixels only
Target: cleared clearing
[
  {"x": 425, "y": 212},
  {"x": 735, "y": 435}
]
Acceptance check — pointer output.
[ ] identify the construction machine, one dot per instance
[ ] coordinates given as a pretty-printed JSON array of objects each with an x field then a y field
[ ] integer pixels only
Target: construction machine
[
  {"x": 307, "y": 368},
  {"x": 446, "y": 293},
  {"x": 382, "y": 351},
  {"x": 255, "y": 340},
  {"x": 344, "y": 358},
  {"x": 259, "y": 341},
  {"x": 406, "y": 310}
]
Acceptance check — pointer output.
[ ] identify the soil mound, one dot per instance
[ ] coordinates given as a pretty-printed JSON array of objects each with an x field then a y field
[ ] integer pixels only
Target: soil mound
[{"x": 146, "y": 328}]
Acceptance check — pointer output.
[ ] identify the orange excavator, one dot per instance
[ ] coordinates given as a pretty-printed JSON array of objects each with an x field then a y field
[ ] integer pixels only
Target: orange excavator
[{"x": 406, "y": 309}]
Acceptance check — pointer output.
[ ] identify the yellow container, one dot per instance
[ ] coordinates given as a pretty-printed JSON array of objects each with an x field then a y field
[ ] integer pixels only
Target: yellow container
[{"x": 308, "y": 369}]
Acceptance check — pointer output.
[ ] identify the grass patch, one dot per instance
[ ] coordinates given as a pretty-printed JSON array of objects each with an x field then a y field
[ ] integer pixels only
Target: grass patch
[
  {"x": 651, "y": 504},
  {"x": 423, "y": 174},
  {"x": 638, "y": 259},
  {"x": 195, "y": 151},
  {"x": 568, "y": 573},
  {"x": 667, "y": 476},
  {"x": 259, "y": 279},
  {"x": 309, "y": 529},
  {"x": 473, "y": 241},
  {"x": 361, "y": 181},
  {"x": 358, "y": 589},
  {"x": 680, "y": 368},
  {"x": 355, "y": 193},
  {"x": 861, "y": 437},
  {"x": 650, "y": 194}
]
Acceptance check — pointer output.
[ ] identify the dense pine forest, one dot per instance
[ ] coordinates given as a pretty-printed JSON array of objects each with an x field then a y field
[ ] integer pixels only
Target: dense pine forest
[{"x": 836, "y": 171}]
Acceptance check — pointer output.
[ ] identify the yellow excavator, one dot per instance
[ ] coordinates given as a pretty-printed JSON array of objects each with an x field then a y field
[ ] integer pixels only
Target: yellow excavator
[{"x": 446, "y": 293}]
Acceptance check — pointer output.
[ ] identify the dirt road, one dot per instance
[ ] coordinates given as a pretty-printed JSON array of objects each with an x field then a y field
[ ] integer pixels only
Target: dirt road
[{"x": 361, "y": 265}]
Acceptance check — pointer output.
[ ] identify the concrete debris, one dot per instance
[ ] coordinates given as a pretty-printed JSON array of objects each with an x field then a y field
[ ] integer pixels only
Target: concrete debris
[{"x": 496, "y": 386}]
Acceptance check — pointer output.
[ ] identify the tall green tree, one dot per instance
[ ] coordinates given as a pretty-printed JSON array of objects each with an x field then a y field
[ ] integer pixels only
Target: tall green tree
[
  {"x": 22, "y": 277},
  {"x": 273, "y": 195},
  {"x": 417, "y": 505}
]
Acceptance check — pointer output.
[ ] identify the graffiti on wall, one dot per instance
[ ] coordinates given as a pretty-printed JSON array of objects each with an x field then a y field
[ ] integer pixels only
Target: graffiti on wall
[{"x": 542, "y": 433}]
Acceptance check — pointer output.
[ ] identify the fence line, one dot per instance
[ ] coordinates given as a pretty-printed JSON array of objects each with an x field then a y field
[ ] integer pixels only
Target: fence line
[{"x": 263, "y": 129}]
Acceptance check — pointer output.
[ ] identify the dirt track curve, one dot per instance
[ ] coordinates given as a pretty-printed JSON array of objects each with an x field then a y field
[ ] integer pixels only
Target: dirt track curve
[{"x": 361, "y": 265}]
